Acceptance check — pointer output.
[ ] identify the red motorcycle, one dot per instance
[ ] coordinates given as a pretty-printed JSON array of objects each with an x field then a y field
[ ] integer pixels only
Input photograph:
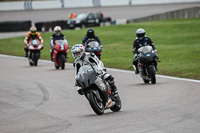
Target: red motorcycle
[
  {"x": 34, "y": 47},
  {"x": 60, "y": 54}
]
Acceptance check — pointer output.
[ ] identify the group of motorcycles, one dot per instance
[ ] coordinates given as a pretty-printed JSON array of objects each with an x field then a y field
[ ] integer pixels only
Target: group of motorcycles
[
  {"x": 59, "y": 53},
  {"x": 96, "y": 90}
]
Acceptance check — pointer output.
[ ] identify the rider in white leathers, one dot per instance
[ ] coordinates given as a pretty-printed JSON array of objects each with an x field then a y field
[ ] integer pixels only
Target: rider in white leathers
[{"x": 83, "y": 58}]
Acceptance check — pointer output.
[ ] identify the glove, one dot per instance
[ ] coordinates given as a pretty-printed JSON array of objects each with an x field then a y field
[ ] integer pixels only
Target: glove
[
  {"x": 135, "y": 57},
  {"x": 52, "y": 47},
  {"x": 28, "y": 44},
  {"x": 156, "y": 53},
  {"x": 80, "y": 90}
]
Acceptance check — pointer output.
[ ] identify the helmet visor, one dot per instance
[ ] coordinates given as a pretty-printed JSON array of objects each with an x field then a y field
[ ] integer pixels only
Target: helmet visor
[
  {"x": 57, "y": 32},
  {"x": 76, "y": 54},
  {"x": 140, "y": 35},
  {"x": 33, "y": 32}
]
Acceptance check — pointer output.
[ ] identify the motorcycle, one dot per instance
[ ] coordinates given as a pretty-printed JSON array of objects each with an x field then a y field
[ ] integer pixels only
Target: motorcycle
[
  {"x": 147, "y": 64},
  {"x": 34, "y": 47},
  {"x": 60, "y": 54},
  {"x": 93, "y": 46},
  {"x": 97, "y": 91}
]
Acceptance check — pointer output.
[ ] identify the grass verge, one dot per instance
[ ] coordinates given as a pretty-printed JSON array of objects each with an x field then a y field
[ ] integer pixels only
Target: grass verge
[{"x": 177, "y": 42}]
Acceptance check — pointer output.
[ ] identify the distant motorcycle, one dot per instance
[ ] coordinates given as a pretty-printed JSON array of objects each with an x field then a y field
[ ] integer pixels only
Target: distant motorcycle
[
  {"x": 60, "y": 54},
  {"x": 147, "y": 62},
  {"x": 34, "y": 47},
  {"x": 93, "y": 46},
  {"x": 97, "y": 91}
]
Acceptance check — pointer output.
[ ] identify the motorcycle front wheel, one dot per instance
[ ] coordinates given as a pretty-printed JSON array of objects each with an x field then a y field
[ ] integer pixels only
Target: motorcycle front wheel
[
  {"x": 152, "y": 75},
  {"x": 96, "y": 104},
  {"x": 146, "y": 81},
  {"x": 118, "y": 104},
  {"x": 57, "y": 67},
  {"x": 36, "y": 56},
  {"x": 62, "y": 61}
]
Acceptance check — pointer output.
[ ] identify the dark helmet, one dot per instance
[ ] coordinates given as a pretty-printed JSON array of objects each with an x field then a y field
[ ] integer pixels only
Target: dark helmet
[
  {"x": 90, "y": 33},
  {"x": 140, "y": 33}
]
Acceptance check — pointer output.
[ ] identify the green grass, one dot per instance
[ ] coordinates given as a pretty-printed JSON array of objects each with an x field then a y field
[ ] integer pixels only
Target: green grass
[{"x": 177, "y": 42}]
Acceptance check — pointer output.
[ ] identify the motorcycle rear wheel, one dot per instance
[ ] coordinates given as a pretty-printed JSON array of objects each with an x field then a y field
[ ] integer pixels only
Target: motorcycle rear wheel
[{"x": 96, "y": 105}]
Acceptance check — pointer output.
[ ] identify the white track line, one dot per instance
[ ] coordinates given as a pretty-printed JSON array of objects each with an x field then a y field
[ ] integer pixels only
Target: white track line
[{"x": 111, "y": 69}]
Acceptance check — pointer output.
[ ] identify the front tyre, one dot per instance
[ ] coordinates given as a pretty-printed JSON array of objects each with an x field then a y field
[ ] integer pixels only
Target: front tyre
[
  {"x": 152, "y": 75},
  {"x": 62, "y": 61},
  {"x": 96, "y": 104},
  {"x": 118, "y": 104},
  {"x": 146, "y": 81},
  {"x": 57, "y": 67},
  {"x": 36, "y": 56}
]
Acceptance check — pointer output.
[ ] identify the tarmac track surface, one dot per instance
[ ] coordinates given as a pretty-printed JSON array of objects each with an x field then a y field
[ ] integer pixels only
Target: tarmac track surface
[{"x": 44, "y": 100}]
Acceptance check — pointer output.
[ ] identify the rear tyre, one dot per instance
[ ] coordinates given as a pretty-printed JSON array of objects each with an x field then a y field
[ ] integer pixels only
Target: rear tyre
[
  {"x": 62, "y": 61},
  {"x": 152, "y": 75},
  {"x": 118, "y": 104},
  {"x": 96, "y": 105}
]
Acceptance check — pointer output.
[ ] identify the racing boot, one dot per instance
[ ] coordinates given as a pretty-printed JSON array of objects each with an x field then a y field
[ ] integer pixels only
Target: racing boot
[
  {"x": 109, "y": 104},
  {"x": 136, "y": 69},
  {"x": 26, "y": 52},
  {"x": 113, "y": 88},
  {"x": 51, "y": 54},
  {"x": 135, "y": 66}
]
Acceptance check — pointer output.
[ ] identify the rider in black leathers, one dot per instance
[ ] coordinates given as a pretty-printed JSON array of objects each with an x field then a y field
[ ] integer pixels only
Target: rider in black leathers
[
  {"x": 91, "y": 35},
  {"x": 141, "y": 40}
]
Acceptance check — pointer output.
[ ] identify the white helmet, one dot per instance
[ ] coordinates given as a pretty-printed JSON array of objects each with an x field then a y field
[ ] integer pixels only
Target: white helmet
[
  {"x": 140, "y": 33},
  {"x": 57, "y": 30},
  {"x": 77, "y": 51}
]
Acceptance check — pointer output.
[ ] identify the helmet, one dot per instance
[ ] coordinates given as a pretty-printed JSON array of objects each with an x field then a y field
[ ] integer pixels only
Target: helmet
[
  {"x": 140, "y": 33},
  {"x": 57, "y": 30},
  {"x": 33, "y": 30},
  {"x": 77, "y": 51},
  {"x": 90, "y": 33}
]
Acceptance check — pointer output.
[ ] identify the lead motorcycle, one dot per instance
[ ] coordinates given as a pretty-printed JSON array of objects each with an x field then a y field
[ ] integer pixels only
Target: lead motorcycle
[
  {"x": 93, "y": 46},
  {"x": 34, "y": 55},
  {"x": 147, "y": 64},
  {"x": 97, "y": 91},
  {"x": 60, "y": 54}
]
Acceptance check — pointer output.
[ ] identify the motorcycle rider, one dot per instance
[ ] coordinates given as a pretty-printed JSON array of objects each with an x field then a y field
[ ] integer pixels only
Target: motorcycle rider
[
  {"x": 83, "y": 58},
  {"x": 140, "y": 41},
  {"x": 91, "y": 35},
  {"x": 32, "y": 34},
  {"x": 56, "y": 36}
]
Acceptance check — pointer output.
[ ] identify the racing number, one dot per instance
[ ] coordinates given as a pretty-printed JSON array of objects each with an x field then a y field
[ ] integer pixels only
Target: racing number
[{"x": 62, "y": 47}]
